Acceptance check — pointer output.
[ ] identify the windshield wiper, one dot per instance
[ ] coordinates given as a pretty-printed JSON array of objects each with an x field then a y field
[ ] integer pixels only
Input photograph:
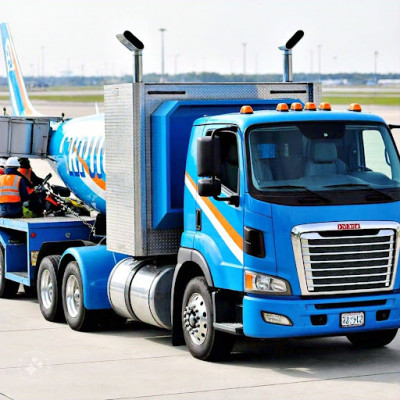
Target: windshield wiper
[
  {"x": 306, "y": 189},
  {"x": 365, "y": 185}
]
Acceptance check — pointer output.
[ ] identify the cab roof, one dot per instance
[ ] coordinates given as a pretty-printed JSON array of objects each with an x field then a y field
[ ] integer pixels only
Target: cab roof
[{"x": 243, "y": 121}]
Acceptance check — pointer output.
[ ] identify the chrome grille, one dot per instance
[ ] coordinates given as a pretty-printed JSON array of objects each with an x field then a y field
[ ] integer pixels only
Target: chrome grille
[{"x": 335, "y": 261}]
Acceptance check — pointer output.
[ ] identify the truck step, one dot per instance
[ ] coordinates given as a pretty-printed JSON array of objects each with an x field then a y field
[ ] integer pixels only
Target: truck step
[
  {"x": 235, "y": 328},
  {"x": 21, "y": 274}
]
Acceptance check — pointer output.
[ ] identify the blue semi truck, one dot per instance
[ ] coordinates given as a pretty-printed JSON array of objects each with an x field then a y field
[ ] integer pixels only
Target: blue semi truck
[{"x": 232, "y": 209}]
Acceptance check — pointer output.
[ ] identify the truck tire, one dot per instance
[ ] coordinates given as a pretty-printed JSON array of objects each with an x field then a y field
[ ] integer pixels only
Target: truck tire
[
  {"x": 76, "y": 315},
  {"x": 48, "y": 289},
  {"x": 370, "y": 340},
  {"x": 8, "y": 289},
  {"x": 202, "y": 340}
]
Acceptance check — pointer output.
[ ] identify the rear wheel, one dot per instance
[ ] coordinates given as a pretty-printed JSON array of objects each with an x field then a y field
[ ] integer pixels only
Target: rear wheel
[
  {"x": 370, "y": 340},
  {"x": 48, "y": 288},
  {"x": 202, "y": 340},
  {"x": 8, "y": 289},
  {"x": 77, "y": 316}
]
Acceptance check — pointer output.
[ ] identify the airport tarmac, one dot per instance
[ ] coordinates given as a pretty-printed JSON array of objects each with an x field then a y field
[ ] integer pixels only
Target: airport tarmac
[{"x": 47, "y": 361}]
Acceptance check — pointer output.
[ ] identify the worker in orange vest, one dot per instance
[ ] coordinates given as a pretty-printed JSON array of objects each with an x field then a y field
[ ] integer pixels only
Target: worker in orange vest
[
  {"x": 13, "y": 190},
  {"x": 32, "y": 180},
  {"x": 26, "y": 171}
]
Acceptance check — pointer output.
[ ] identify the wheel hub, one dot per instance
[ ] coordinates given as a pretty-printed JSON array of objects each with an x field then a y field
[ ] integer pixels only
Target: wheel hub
[
  {"x": 46, "y": 289},
  {"x": 195, "y": 318},
  {"x": 73, "y": 296}
]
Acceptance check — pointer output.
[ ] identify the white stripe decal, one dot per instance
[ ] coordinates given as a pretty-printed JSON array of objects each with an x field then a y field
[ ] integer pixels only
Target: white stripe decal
[
  {"x": 13, "y": 100},
  {"x": 232, "y": 246}
]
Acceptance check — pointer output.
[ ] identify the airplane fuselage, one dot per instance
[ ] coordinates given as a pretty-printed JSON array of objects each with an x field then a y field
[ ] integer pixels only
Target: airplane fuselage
[{"x": 77, "y": 148}]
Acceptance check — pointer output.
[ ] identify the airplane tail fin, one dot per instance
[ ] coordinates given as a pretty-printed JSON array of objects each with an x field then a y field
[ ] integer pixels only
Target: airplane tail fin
[{"x": 20, "y": 103}]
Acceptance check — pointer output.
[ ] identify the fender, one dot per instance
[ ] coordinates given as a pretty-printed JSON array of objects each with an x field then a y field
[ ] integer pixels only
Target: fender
[
  {"x": 50, "y": 248},
  {"x": 191, "y": 263},
  {"x": 185, "y": 255},
  {"x": 95, "y": 264}
]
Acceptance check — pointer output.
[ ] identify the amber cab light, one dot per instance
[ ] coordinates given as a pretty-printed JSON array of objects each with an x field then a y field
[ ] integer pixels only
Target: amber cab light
[
  {"x": 282, "y": 107},
  {"x": 246, "y": 110},
  {"x": 325, "y": 106},
  {"x": 355, "y": 107},
  {"x": 310, "y": 106},
  {"x": 296, "y": 107}
]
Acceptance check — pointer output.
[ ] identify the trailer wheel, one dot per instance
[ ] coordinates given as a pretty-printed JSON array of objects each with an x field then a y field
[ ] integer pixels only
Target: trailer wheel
[
  {"x": 8, "y": 289},
  {"x": 48, "y": 289},
  {"x": 77, "y": 316},
  {"x": 370, "y": 340},
  {"x": 202, "y": 340}
]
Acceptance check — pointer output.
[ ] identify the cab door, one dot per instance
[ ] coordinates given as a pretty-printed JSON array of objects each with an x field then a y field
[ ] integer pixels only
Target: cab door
[{"x": 219, "y": 236}]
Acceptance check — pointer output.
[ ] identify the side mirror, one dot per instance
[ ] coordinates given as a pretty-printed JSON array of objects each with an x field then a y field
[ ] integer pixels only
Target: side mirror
[
  {"x": 209, "y": 187},
  {"x": 208, "y": 156},
  {"x": 391, "y": 126}
]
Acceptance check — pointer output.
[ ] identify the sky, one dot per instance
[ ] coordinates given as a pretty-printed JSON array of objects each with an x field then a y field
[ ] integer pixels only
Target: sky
[{"x": 55, "y": 36}]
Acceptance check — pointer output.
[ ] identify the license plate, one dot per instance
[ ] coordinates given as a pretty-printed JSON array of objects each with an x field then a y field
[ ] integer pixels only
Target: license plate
[{"x": 348, "y": 320}]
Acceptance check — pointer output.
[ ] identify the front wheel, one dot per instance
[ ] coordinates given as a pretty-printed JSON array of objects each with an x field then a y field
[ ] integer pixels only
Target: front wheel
[
  {"x": 77, "y": 316},
  {"x": 202, "y": 340},
  {"x": 370, "y": 340},
  {"x": 48, "y": 289}
]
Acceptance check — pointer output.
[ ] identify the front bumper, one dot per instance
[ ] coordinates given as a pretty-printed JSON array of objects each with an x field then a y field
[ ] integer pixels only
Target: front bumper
[{"x": 299, "y": 311}]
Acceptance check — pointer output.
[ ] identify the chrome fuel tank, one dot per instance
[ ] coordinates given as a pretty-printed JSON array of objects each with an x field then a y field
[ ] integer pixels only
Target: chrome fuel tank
[{"x": 140, "y": 290}]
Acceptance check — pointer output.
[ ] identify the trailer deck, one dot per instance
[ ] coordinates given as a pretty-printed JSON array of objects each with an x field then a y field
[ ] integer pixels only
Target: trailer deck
[{"x": 22, "y": 238}]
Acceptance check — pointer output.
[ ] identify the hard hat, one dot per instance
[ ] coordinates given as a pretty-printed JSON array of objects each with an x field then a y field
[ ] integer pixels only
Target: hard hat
[
  {"x": 3, "y": 162},
  {"x": 12, "y": 162}
]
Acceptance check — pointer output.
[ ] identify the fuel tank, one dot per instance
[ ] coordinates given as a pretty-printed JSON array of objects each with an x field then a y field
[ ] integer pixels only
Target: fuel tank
[{"x": 140, "y": 290}]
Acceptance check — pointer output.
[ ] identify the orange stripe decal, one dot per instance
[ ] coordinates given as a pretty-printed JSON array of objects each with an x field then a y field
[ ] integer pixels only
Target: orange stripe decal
[
  {"x": 99, "y": 182},
  {"x": 21, "y": 87},
  {"x": 234, "y": 235}
]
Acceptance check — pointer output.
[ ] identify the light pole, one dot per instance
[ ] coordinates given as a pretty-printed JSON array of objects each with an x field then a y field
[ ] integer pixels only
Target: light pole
[
  {"x": 162, "y": 79},
  {"x": 376, "y": 66},
  {"x": 244, "y": 61}
]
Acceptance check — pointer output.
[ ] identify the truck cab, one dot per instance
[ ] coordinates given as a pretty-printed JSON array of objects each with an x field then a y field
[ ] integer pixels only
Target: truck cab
[{"x": 297, "y": 212}]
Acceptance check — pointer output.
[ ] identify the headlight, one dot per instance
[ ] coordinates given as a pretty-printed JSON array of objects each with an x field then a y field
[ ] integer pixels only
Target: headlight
[{"x": 255, "y": 282}]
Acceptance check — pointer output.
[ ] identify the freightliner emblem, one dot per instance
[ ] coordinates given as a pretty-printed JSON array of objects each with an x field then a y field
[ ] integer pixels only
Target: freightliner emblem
[{"x": 342, "y": 227}]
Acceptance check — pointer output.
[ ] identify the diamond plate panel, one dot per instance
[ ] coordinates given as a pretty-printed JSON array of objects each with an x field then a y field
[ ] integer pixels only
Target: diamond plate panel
[
  {"x": 121, "y": 127},
  {"x": 128, "y": 110}
]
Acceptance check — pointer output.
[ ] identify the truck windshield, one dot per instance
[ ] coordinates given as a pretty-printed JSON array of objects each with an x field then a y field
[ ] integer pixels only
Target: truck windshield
[{"x": 323, "y": 162}]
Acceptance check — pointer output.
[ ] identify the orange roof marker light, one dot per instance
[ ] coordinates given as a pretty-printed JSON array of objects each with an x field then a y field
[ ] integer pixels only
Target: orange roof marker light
[
  {"x": 282, "y": 107},
  {"x": 355, "y": 107},
  {"x": 296, "y": 107},
  {"x": 310, "y": 106},
  {"x": 246, "y": 110},
  {"x": 325, "y": 106}
]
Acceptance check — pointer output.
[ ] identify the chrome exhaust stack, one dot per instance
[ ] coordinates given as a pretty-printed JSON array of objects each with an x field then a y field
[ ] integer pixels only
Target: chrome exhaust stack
[
  {"x": 133, "y": 44},
  {"x": 287, "y": 55}
]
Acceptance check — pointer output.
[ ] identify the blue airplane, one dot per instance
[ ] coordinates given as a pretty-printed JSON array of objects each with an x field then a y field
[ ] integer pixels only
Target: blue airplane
[{"x": 76, "y": 146}]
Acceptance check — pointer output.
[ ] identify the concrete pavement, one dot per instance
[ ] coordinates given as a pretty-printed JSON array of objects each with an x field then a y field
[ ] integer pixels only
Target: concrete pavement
[{"x": 42, "y": 360}]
